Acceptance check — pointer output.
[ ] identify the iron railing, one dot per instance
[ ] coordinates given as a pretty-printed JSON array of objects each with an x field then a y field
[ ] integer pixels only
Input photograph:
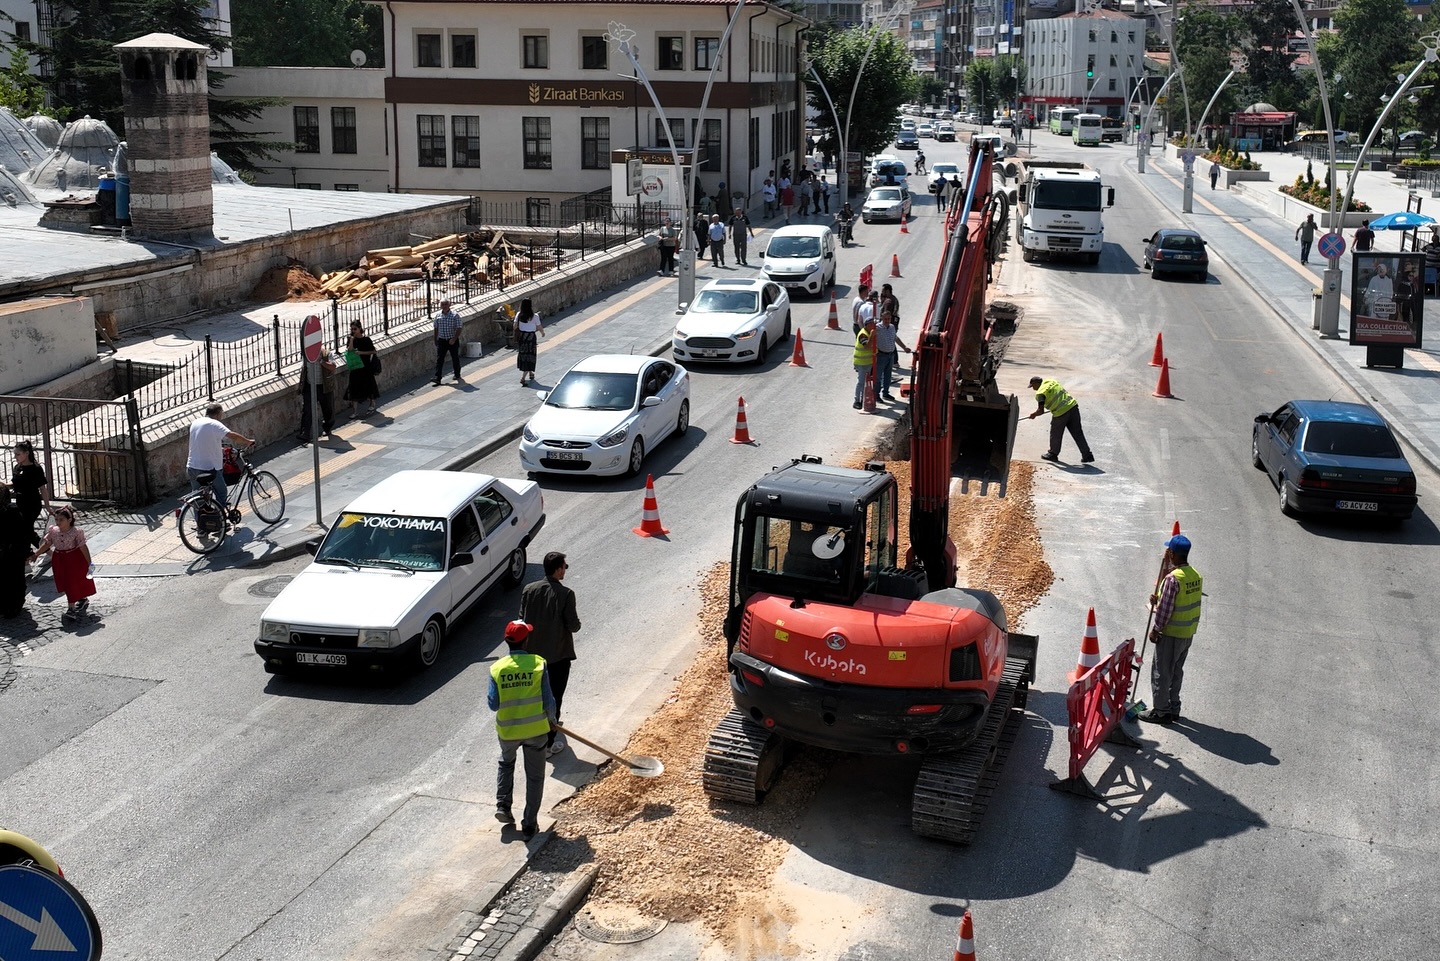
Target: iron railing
[{"x": 92, "y": 450}]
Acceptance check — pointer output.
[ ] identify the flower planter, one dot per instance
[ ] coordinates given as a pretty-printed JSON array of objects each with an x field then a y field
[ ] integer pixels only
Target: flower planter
[
  {"x": 1295, "y": 211},
  {"x": 1231, "y": 177}
]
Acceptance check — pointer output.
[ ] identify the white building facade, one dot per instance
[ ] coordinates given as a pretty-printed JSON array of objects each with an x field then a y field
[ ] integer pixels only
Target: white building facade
[{"x": 1089, "y": 60}]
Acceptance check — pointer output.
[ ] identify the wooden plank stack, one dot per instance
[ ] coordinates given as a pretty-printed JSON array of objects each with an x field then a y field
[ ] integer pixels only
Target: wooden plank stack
[{"x": 448, "y": 256}]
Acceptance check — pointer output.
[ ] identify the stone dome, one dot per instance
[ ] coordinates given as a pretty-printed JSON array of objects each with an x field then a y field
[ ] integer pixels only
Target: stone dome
[
  {"x": 85, "y": 148},
  {"x": 1262, "y": 107},
  {"x": 19, "y": 148},
  {"x": 223, "y": 173},
  {"x": 47, "y": 130},
  {"x": 13, "y": 193}
]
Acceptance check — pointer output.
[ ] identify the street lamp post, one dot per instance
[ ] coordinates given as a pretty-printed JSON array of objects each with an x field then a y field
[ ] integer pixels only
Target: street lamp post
[
  {"x": 1141, "y": 147},
  {"x": 1085, "y": 101},
  {"x": 1330, "y": 279},
  {"x": 899, "y": 10}
]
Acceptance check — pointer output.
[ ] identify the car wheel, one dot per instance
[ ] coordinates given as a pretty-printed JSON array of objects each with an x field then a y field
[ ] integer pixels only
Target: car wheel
[
  {"x": 637, "y": 457},
  {"x": 514, "y": 569},
  {"x": 762, "y": 350},
  {"x": 785, "y": 334},
  {"x": 428, "y": 651},
  {"x": 1204, "y": 277},
  {"x": 1154, "y": 274},
  {"x": 1255, "y": 452},
  {"x": 1093, "y": 259},
  {"x": 1027, "y": 255},
  {"x": 682, "y": 423},
  {"x": 1285, "y": 507}
]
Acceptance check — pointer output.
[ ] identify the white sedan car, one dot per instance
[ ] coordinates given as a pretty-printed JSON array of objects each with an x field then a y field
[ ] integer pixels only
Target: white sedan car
[
  {"x": 944, "y": 172},
  {"x": 399, "y": 567},
  {"x": 926, "y": 130},
  {"x": 886, "y": 203},
  {"x": 605, "y": 414},
  {"x": 733, "y": 321}
]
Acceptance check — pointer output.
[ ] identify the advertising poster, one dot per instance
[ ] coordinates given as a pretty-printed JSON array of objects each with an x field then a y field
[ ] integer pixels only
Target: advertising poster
[{"x": 1387, "y": 298}]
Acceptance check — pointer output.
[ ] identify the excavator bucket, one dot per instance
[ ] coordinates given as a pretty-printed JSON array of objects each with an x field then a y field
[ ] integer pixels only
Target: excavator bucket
[{"x": 983, "y": 438}]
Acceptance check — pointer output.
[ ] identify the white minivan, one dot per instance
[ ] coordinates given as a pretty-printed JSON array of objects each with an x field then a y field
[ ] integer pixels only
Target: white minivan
[{"x": 801, "y": 257}]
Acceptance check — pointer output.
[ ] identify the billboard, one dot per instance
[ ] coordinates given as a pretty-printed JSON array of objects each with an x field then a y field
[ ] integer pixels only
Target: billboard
[{"x": 1387, "y": 299}]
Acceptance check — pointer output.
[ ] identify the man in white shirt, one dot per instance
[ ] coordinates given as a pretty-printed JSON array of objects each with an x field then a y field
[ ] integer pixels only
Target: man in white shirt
[
  {"x": 862, "y": 299},
  {"x": 207, "y": 437}
]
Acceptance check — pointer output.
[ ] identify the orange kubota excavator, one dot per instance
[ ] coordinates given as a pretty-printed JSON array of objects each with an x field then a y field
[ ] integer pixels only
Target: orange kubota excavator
[{"x": 830, "y": 641}]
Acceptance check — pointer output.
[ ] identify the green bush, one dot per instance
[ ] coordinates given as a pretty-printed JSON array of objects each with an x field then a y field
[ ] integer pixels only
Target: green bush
[
  {"x": 1226, "y": 157},
  {"x": 1422, "y": 163},
  {"x": 1316, "y": 195}
]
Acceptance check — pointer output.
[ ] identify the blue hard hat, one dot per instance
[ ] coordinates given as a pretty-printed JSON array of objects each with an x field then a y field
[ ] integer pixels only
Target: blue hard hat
[{"x": 1179, "y": 543}]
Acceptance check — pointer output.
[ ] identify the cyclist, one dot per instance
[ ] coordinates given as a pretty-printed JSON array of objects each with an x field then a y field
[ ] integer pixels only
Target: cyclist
[
  {"x": 920, "y": 162},
  {"x": 845, "y": 220},
  {"x": 206, "y": 453}
]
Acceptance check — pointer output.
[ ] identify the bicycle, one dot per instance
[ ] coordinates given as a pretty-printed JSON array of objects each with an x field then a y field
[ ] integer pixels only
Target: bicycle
[{"x": 204, "y": 527}]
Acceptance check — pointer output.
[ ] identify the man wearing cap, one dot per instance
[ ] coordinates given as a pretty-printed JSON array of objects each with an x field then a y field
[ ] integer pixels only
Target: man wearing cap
[
  {"x": 548, "y": 606},
  {"x": 1177, "y": 615},
  {"x": 524, "y": 709},
  {"x": 1065, "y": 415}
]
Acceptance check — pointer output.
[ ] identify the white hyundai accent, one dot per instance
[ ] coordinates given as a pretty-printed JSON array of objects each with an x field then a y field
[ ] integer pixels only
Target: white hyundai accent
[{"x": 400, "y": 565}]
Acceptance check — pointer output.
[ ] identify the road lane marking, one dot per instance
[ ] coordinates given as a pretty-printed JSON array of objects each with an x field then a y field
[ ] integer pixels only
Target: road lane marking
[{"x": 1164, "y": 443}]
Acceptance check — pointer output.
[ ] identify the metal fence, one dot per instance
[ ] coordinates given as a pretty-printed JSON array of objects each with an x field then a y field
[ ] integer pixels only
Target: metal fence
[
  {"x": 589, "y": 223},
  {"x": 91, "y": 450}
]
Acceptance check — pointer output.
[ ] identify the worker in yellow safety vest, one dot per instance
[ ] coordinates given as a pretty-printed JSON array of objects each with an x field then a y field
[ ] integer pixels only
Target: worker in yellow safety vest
[
  {"x": 864, "y": 358},
  {"x": 1177, "y": 615},
  {"x": 1064, "y": 415},
  {"x": 524, "y": 709}
]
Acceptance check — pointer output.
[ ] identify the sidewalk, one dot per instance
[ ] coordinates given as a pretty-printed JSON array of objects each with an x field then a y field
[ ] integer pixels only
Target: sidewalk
[{"x": 1262, "y": 249}]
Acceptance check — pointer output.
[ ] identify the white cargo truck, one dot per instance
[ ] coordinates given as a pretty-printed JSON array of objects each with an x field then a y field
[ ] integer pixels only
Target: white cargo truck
[{"x": 1058, "y": 209}]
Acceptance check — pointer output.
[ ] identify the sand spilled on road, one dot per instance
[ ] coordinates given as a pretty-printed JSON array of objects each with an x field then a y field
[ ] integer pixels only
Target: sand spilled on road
[{"x": 669, "y": 851}]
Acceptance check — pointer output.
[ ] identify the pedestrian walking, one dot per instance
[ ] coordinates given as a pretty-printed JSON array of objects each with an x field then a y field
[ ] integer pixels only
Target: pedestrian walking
[
  {"x": 862, "y": 298},
  {"x": 328, "y": 367},
  {"x": 824, "y": 193},
  {"x": 362, "y": 387},
  {"x": 740, "y": 233},
  {"x": 1177, "y": 616},
  {"x": 807, "y": 193},
  {"x": 1305, "y": 233},
  {"x": 669, "y": 239},
  {"x": 864, "y": 356},
  {"x": 957, "y": 190},
  {"x": 701, "y": 227},
  {"x": 447, "y": 341},
  {"x": 887, "y": 339},
  {"x": 771, "y": 195},
  {"x": 941, "y": 194},
  {"x": 70, "y": 563},
  {"x": 1364, "y": 237},
  {"x": 1065, "y": 415},
  {"x": 548, "y": 606},
  {"x": 17, "y": 541},
  {"x": 716, "y": 232},
  {"x": 920, "y": 163},
  {"x": 522, "y": 698},
  {"x": 206, "y": 451},
  {"x": 28, "y": 483},
  {"x": 787, "y": 200},
  {"x": 1214, "y": 174},
  {"x": 528, "y": 331}
]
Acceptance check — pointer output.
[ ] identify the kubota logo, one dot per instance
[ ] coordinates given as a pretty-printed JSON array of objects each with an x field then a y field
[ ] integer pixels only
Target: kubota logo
[{"x": 828, "y": 662}]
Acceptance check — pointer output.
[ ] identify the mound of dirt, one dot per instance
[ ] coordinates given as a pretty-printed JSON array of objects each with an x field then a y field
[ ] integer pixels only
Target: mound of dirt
[{"x": 287, "y": 283}]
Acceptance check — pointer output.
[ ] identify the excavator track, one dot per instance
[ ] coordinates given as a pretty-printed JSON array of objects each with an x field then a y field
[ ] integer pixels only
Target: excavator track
[
  {"x": 953, "y": 790},
  {"x": 742, "y": 760}
]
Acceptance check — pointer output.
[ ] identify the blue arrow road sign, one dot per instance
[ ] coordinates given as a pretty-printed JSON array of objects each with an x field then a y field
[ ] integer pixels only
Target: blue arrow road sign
[
  {"x": 1331, "y": 245},
  {"x": 43, "y": 918}
]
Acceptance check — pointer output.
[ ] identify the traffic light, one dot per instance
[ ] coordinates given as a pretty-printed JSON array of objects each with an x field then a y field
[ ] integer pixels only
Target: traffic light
[
  {"x": 1090, "y": 68},
  {"x": 1089, "y": 74}
]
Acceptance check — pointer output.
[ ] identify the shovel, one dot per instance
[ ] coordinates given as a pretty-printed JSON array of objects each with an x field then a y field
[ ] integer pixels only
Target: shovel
[{"x": 641, "y": 765}]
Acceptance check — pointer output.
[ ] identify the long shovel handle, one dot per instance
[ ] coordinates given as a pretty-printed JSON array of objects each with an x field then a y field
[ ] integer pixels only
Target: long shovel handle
[{"x": 588, "y": 743}]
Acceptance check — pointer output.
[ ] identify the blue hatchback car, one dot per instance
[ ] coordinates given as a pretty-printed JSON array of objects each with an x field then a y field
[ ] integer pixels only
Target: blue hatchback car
[{"x": 1331, "y": 457}]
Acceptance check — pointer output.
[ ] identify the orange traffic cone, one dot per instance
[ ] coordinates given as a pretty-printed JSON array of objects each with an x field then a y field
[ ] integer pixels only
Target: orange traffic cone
[
  {"x": 1162, "y": 387},
  {"x": 1175, "y": 531},
  {"x": 904, "y": 228},
  {"x": 649, "y": 512},
  {"x": 965, "y": 941},
  {"x": 834, "y": 322},
  {"x": 742, "y": 429},
  {"x": 1089, "y": 649},
  {"x": 797, "y": 358},
  {"x": 894, "y": 265},
  {"x": 1158, "y": 358}
]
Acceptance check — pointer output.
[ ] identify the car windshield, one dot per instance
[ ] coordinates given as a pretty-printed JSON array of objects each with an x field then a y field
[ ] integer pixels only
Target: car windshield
[
  {"x": 889, "y": 194},
  {"x": 593, "y": 390},
  {"x": 794, "y": 247},
  {"x": 1351, "y": 440},
  {"x": 1181, "y": 242},
  {"x": 945, "y": 169},
  {"x": 385, "y": 540},
  {"x": 725, "y": 302},
  {"x": 1059, "y": 195}
]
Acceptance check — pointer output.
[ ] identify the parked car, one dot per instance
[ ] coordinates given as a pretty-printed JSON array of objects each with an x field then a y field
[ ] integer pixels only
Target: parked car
[
  {"x": 971, "y": 117},
  {"x": 1333, "y": 457},
  {"x": 1412, "y": 139},
  {"x": 886, "y": 203},
  {"x": 400, "y": 566},
  {"x": 733, "y": 320},
  {"x": 907, "y": 140},
  {"x": 801, "y": 258},
  {"x": 945, "y": 132},
  {"x": 605, "y": 414},
  {"x": 926, "y": 130},
  {"x": 1173, "y": 250}
]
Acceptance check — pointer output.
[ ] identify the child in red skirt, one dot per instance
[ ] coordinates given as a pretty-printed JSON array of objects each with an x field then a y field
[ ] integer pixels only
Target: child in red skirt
[{"x": 71, "y": 563}]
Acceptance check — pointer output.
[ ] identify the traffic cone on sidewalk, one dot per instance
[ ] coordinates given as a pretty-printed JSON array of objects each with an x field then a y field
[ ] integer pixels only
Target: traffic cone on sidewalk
[
  {"x": 649, "y": 512},
  {"x": 894, "y": 265},
  {"x": 965, "y": 941},
  {"x": 742, "y": 429},
  {"x": 797, "y": 358},
  {"x": 1089, "y": 649},
  {"x": 1158, "y": 358},
  {"x": 1162, "y": 387},
  {"x": 834, "y": 322}
]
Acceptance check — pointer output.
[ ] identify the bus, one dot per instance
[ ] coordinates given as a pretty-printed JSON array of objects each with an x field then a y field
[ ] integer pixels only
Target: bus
[
  {"x": 1087, "y": 129},
  {"x": 1062, "y": 120}
]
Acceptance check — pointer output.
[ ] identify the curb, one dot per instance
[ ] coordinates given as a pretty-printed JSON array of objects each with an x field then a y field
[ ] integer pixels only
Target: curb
[{"x": 550, "y": 917}]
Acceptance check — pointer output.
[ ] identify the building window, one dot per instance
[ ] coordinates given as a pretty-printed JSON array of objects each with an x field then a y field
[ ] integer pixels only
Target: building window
[
  {"x": 1132, "y": 36},
  {"x": 594, "y": 143},
  {"x": 342, "y": 130},
  {"x": 22, "y": 30},
  {"x": 308, "y": 187},
  {"x": 594, "y": 53},
  {"x": 348, "y": 188},
  {"x": 537, "y": 144},
  {"x": 671, "y": 54},
  {"x": 536, "y": 51},
  {"x": 707, "y": 52},
  {"x": 677, "y": 131},
  {"x": 1112, "y": 60},
  {"x": 427, "y": 50},
  {"x": 537, "y": 211},
  {"x": 431, "y": 140},
  {"x": 307, "y": 129},
  {"x": 462, "y": 50},
  {"x": 711, "y": 142},
  {"x": 1112, "y": 83},
  {"x": 465, "y": 143},
  {"x": 754, "y": 143}
]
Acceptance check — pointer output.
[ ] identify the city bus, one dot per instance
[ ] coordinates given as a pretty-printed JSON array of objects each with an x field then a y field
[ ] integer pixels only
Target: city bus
[
  {"x": 1062, "y": 120},
  {"x": 1087, "y": 129}
]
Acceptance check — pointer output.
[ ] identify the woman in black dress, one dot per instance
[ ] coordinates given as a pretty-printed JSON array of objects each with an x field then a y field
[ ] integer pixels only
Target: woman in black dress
[
  {"x": 17, "y": 538},
  {"x": 528, "y": 331},
  {"x": 28, "y": 482},
  {"x": 362, "y": 386}
]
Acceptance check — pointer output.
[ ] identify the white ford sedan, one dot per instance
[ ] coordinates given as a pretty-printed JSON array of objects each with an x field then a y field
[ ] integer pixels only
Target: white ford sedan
[
  {"x": 399, "y": 566},
  {"x": 605, "y": 414},
  {"x": 733, "y": 321}
]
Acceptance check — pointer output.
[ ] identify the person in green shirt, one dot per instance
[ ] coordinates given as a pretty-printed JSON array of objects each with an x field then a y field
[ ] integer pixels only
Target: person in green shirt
[{"x": 1064, "y": 415}]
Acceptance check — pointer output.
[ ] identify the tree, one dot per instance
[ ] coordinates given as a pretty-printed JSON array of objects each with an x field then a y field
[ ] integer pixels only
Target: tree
[
  {"x": 20, "y": 90},
  {"x": 1378, "y": 39},
  {"x": 1271, "y": 75},
  {"x": 1205, "y": 42},
  {"x": 888, "y": 82},
  {"x": 306, "y": 33},
  {"x": 980, "y": 82},
  {"x": 1009, "y": 76}
]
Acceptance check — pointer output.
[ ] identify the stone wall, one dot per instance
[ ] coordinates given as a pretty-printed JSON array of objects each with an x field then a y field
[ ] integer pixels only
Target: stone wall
[{"x": 43, "y": 339}]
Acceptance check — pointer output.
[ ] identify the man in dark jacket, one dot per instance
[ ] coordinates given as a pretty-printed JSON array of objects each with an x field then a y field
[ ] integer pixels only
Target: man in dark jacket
[{"x": 548, "y": 606}]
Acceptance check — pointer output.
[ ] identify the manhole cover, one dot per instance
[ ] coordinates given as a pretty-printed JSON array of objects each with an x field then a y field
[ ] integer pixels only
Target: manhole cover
[
  {"x": 270, "y": 586},
  {"x": 616, "y": 924}
]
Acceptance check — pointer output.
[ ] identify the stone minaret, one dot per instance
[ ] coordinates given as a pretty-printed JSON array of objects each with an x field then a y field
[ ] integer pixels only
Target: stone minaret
[{"x": 167, "y": 124}]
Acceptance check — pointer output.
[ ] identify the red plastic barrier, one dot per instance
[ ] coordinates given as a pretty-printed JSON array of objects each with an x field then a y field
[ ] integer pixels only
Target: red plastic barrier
[
  {"x": 1095, "y": 704},
  {"x": 867, "y": 276}
]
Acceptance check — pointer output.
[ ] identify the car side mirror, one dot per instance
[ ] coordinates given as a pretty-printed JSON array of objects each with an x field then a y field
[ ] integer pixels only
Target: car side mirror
[
  {"x": 543, "y": 395},
  {"x": 312, "y": 547},
  {"x": 651, "y": 402},
  {"x": 1262, "y": 419},
  {"x": 1111, "y": 201},
  {"x": 461, "y": 559},
  {"x": 762, "y": 251}
]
